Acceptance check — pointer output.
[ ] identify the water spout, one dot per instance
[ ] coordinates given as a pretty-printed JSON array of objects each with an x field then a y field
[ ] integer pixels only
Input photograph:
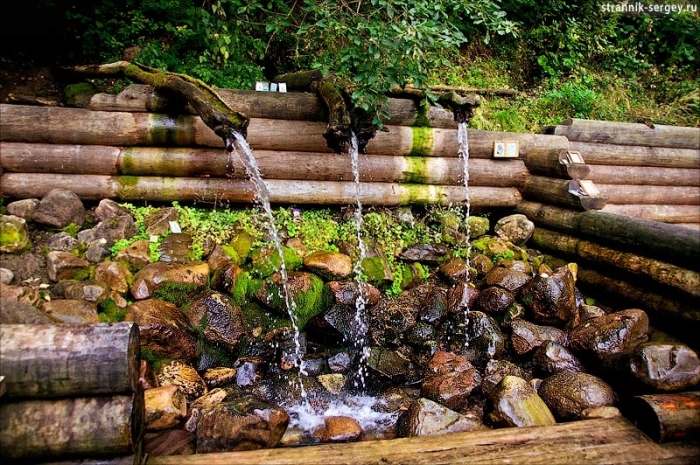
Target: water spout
[{"x": 463, "y": 153}]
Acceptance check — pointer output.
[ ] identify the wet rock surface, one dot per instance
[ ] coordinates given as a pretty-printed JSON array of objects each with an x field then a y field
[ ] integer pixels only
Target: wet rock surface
[{"x": 439, "y": 355}]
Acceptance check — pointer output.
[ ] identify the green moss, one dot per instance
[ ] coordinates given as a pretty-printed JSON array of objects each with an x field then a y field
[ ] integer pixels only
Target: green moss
[
  {"x": 311, "y": 301},
  {"x": 415, "y": 171},
  {"x": 421, "y": 119},
  {"x": 178, "y": 294},
  {"x": 266, "y": 261},
  {"x": 109, "y": 312},
  {"x": 412, "y": 194},
  {"x": 422, "y": 141},
  {"x": 127, "y": 161},
  {"x": 127, "y": 186},
  {"x": 241, "y": 244},
  {"x": 240, "y": 289},
  {"x": 155, "y": 360},
  {"x": 72, "y": 229},
  {"x": 373, "y": 269},
  {"x": 85, "y": 274}
]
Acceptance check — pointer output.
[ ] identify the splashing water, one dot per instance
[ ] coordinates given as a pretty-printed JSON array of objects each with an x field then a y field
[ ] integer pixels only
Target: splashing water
[
  {"x": 251, "y": 166},
  {"x": 357, "y": 269},
  {"x": 463, "y": 153}
]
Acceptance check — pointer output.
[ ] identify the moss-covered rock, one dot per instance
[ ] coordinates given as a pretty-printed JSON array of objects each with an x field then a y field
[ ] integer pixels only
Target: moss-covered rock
[
  {"x": 266, "y": 261},
  {"x": 13, "y": 234}
]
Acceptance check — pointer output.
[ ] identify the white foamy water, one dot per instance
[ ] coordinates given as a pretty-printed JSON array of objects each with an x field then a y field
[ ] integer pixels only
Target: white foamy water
[{"x": 366, "y": 410}]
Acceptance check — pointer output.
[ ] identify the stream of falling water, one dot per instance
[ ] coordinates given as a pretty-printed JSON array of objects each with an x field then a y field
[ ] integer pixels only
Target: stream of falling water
[
  {"x": 463, "y": 153},
  {"x": 360, "y": 303},
  {"x": 253, "y": 171}
]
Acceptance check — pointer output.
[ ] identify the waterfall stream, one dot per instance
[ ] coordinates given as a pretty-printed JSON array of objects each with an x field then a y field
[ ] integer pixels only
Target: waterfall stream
[{"x": 463, "y": 153}]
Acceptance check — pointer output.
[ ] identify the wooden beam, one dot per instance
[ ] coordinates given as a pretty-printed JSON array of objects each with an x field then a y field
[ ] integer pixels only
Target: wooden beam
[
  {"x": 622, "y": 194},
  {"x": 162, "y": 189},
  {"x": 560, "y": 192},
  {"x": 659, "y": 213},
  {"x": 19, "y": 157},
  {"x": 611, "y": 441},
  {"x": 552, "y": 163},
  {"x": 644, "y": 175}
]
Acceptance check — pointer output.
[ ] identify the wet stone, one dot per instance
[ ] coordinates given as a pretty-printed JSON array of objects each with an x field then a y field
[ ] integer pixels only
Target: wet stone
[
  {"x": 64, "y": 265},
  {"x": 514, "y": 402},
  {"x": 514, "y": 228},
  {"x": 508, "y": 279},
  {"x": 425, "y": 417},
  {"x": 665, "y": 367},
  {"x": 137, "y": 255},
  {"x": 454, "y": 271},
  {"x": 92, "y": 291},
  {"x": 153, "y": 274},
  {"x": 420, "y": 334},
  {"x": 219, "y": 376},
  {"x": 71, "y": 311},
  {"x": 551, "y": 300},
  {"x": 495, "y": 300},
  {"x": 333, "y": 382},
  {"x": 424, "y": 253},
  {"x": 434, "y": 307},
  {"x": 175, "y": 248},
  {"x": 114, "y": 229},
  {"x": 340, "y": 362},
  {"x": 339, "y": 428},
  {"x": 166, "y": 406},
  {"x": 550, "y": 358},
  {"x": 218, "y": 318},
  {"x": 449, "y": 380},
  {"x": 526, "y": 336},
  {"x": 329, "y": 265},
  {"x": 15, "y": 236},
  {"x": 248, "y": 371},
  {"x": 62, "y": 241},
  {"x": 180, "y": 374},
  {"x": 569, "y": 394},
  {"x": 486, "y": 341},
  {"x": 347, "y": 292},
  {"x": 115, "y": 275},
  {"x": 482, "y": 264},
  {"x": 158, "y": 222},
  {"x": 23, "y": 208},
  {"x": 612, "y": 334},
  {"x": 462, "y": 297},
  {"x": 496, "y": 370},
  {"x": 218, "y": 259},
  {"x": 108, "y": 209},
  {"x": 387, "y": 363}
]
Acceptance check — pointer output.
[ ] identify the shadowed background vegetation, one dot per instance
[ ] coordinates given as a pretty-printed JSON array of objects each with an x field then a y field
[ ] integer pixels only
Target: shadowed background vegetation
[{"x": 568, "y": 58}]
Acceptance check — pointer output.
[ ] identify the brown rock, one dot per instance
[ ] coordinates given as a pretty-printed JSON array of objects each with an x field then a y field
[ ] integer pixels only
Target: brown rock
[
  {"x": 150, "y": 276},
  {"x": 164, "y": 329},
  {"x": 184, "y": 376},
  {"x": 60, "y": 208},
  {"x": 329, "y": 265},
  {"x": 115, "y": 275},
  {"x": 514, "y": 402},
  {"x": 427, "y": 418},
  {"x": 449, "y": 380},
  {"x": 551, "y": 299},
  {"x": 569, "y": 394},
  {"x": 665, "y": 367},
  {"x": 64, "y": 265},
  {"x": 347, "y": 292},
  {"x": 611, "y": 334},
  {"x": 137, "y": 255},
  {"x": 526, "y": 336},
  {"x": 71, "y": 311},
  {"x": 218, "y": 318},
  {"x": 340, "y": 429},
  {"x": 165, "y": 407}
]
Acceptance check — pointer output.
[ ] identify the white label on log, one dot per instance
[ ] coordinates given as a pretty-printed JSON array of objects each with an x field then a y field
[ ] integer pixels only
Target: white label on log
[{"x": 174, "y": 227}]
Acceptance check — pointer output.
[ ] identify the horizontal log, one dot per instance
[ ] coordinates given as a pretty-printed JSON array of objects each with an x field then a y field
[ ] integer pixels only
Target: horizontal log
[
  {"x": 668, "y": 242},
  {"x": 161, "y": 189},
  {"x": 668, "y": 417},
  {"x": 693, "y": 226},
  {"x": 655, "y": 195},
  {"x": 553, "y": 163},
  {"x": 298, "y": 106},
  {"x": 660, "y": 213},
  {"x": 71, "y": 427},
  {"x": 644, "y": 175},
  {"x": 637, "y": 155},
  {"x": 656, "y": 271},
  {"x": 21, "y": 157},
  {"x": 611, "y": 441},
  {"x": 560, "y": 192},
  {"x": 609, "y": 132},
  {"x": 84, "y": 127},
  {"x": 70, "y": 360}
]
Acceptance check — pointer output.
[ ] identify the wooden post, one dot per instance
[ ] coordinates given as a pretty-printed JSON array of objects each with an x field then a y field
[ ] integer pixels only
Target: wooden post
[
  {"x": 668, "y": 417},
  {"x": 70, "y": 360},
  {"x": 637, "y": 155},
  {"x": 644, "y": 175},
  {"x": 552, "y": 163},
  {"x": 560, "y": 192}
]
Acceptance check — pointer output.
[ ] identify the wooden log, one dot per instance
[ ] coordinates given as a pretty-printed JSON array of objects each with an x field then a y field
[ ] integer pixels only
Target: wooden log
[
  {"x": 668, "y": 417},
  {"x": 694, "y": 226},
  {"x": 644, "y": 175},
  {"x": 649, "y": 238},
  {"x": 621, "y": 194},
  {"x": 161, "y": 189},
  {"x": 50, "y": 429},
  {"x": 657, "y": 271},
  {"x": 609, "y": 132},
  {"x": 660, "y": 213},
  {"x": 611, "y": 441},
  {"x": 19, "y": 157},
  {"x": 70, "y": 360},
  {"x": 560, "y": 192},
  {"x": 553, "y": 163},
  {"x": 80, "y": 126},
  {"x": 636, "y": 155},
  {"x": 668, "y": 242},
  {"x": 304, "y": 106}
]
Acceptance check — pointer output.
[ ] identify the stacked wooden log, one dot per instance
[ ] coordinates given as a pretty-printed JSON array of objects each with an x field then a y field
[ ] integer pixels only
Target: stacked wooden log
[
  {"x": 72, "y": 393},
  {"x": 645, "y": 171},
  {"x": 118, "y": 149}
]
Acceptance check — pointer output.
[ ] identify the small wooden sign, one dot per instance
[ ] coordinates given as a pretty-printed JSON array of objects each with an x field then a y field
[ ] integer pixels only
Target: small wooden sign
[
  {"x": 588, "y": 188},
  {"x": 506, "y": 149},
  {"x": 282, "y": 87},
  {"x": 574, "y": 157}
]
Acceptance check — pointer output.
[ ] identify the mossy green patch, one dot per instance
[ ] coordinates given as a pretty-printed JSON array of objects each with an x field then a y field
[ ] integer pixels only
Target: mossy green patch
[
  {"x": 241, "y": 244},
  {"x": 412, "y": 194},
  {"x": 109, "y": 312},
  {"x": 266, "y": 261},
  {"x": 155, "y": 360},
  {"x": 421, "y": 119},
  {"x": 312, "y": 300},
  {"x": 423, "y": 141},
  {"x": 416, "y": 170},
  {"x": 178, "y": 294}
]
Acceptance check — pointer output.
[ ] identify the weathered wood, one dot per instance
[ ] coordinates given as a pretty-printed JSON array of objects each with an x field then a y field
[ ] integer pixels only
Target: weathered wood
[
  {"x": 552, "y": 163},
  {"x": 621, "y": 194},
  {"x": 60, "y": 428},
  {"x": 610, "y": 441},
  {"x": 668, "y": 417},
  {"x": 649, "y": 238},
  {"x": 18, "y": 123},
  {"x": 162, "y": 189},
  {"x": 21, "y": 157},
  {"x": 644, "y": 175},
  {"x": 608, "y": 132},
  {"x": 657, "y": 271},
  {"x": 668, "y": 242},
  {"x": 205, "y": 101},
  {"x": 70, "y": 360},
  {"x": 560, "y": 192},
  {"x": 636, "y": 155},
  {"x": 660, "y": 213}
]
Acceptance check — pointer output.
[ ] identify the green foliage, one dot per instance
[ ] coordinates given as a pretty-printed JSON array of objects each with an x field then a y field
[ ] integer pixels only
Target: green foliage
[
  {"x": 178, "y": 294},
  {"x": 109, "y": 312}
]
